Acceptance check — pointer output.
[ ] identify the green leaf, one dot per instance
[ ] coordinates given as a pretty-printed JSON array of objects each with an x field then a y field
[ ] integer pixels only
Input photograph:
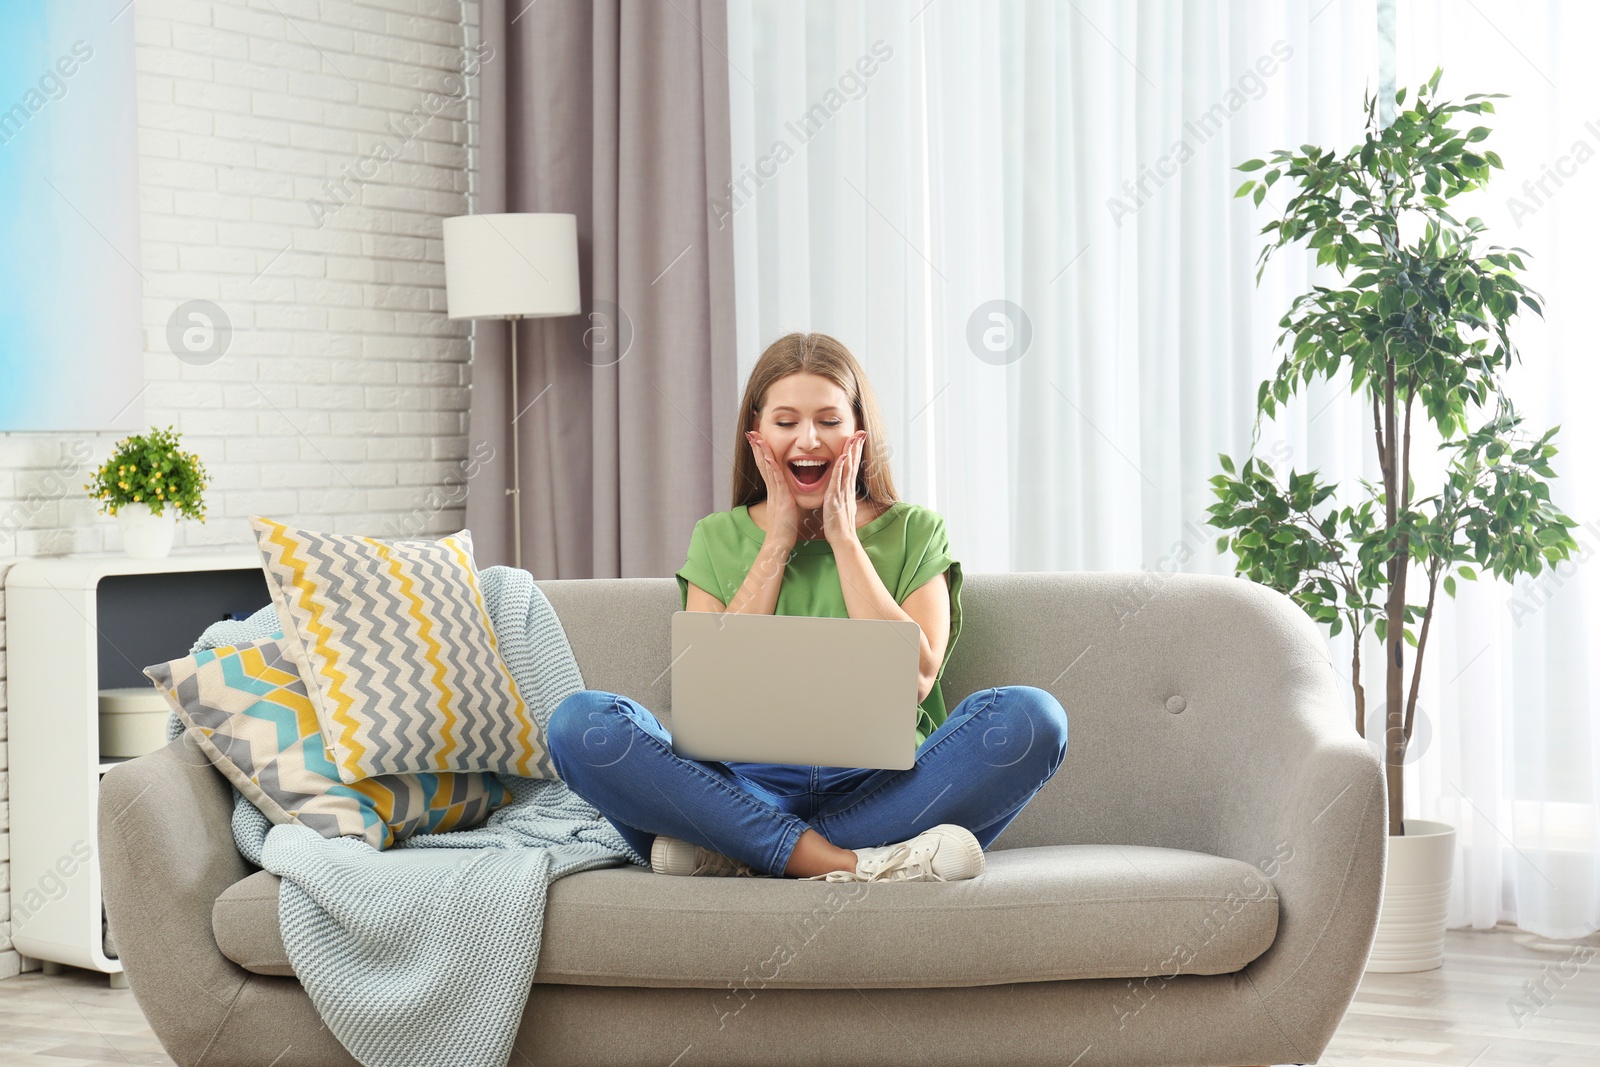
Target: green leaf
[
  {"x": 1227, "y": 464},
  {"x": 1251, "y": 164},
  {"x": 1250, "y": 183}
]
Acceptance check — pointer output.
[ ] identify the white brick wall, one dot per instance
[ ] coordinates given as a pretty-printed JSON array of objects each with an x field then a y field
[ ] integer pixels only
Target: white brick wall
[{"x": 341, "y": 401}]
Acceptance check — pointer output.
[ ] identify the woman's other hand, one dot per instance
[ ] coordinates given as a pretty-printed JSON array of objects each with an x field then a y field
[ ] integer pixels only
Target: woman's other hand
[
  {"x": 839, "y": 502},
  {"x": 783, "y": 512}
]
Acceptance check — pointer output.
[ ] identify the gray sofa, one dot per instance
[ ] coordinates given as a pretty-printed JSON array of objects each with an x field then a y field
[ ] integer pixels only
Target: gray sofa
[{"x": 1197, "y": 885}]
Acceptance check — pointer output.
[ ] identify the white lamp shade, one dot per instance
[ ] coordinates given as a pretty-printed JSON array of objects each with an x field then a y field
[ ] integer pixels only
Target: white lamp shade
[{"x": 511, "y": 265}]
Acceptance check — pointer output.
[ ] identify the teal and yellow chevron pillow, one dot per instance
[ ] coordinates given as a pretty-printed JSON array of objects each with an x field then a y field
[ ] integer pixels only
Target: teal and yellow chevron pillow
[
  {"x": 248, "y": 709},
  {"x": 398, "y": 653}
]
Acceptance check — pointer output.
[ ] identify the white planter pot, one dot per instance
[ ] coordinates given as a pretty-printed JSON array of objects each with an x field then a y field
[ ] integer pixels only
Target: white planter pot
[
  {"x": 146, "y": 535},
  {"x": 1416, "y": 892}
]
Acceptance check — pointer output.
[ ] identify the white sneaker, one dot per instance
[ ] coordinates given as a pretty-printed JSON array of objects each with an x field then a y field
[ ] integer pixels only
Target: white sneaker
[
  {"x": 946, "y": 853},
  {"x": 670, "y": 855}
]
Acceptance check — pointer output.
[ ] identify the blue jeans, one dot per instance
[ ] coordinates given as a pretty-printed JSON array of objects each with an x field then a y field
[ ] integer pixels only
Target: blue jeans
[{"x": 977, "y": 770}]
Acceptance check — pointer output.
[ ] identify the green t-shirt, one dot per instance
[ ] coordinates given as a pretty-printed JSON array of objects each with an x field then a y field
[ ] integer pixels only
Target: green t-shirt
[{"x": 907, "y": 545}]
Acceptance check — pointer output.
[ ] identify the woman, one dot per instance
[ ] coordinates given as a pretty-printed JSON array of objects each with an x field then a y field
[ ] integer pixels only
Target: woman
[{"x": 817, "y": 530}]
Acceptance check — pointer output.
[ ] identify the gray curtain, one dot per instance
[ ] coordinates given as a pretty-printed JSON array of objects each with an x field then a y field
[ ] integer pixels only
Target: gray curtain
[{"x": 618, "y": 113}]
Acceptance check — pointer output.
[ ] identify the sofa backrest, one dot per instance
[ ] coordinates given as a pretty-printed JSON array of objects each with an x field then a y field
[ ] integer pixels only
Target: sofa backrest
[{"x": 1172, "y": 683}]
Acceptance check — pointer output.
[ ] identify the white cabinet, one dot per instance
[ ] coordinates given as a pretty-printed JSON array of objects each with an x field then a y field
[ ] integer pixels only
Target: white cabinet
[{"x": 76, "y": 625}]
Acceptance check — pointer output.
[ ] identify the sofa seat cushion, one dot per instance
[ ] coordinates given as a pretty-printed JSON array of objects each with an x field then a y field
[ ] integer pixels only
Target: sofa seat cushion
[
  {"x": 1035, "y": 915},
  {"x": 244, "y": 921}
]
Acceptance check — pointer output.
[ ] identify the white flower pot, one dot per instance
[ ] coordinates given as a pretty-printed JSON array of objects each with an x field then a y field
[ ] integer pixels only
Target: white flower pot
[
  {"x": 1416, "y": 892},
  {"x": 146, "y": 535}
]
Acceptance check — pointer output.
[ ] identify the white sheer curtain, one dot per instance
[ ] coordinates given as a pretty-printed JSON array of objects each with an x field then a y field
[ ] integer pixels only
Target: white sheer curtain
[
  {"x": 1075, "y": 160},
  {"x": 980, "y": 162}
]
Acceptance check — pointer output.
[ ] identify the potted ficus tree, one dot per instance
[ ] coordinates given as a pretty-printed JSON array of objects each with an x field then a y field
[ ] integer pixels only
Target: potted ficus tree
[
  {"x": 149, "y": 481},
  {"x": 1421, "y": 322}
]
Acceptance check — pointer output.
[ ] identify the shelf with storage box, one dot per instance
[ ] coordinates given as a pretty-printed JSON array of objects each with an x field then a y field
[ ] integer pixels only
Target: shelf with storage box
[{"x": 75, "y": 626}]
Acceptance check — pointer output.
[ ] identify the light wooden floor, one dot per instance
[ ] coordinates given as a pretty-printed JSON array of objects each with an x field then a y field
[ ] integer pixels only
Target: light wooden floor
[{"x": 1456, "y": 1016}]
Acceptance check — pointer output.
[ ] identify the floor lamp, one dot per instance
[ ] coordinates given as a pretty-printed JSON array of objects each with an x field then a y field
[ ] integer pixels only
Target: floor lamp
[{"x": 511, "y": 266}]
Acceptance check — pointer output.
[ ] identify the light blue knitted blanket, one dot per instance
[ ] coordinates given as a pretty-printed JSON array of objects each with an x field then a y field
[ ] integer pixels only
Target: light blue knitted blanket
[{"x": 421, "y": 958}]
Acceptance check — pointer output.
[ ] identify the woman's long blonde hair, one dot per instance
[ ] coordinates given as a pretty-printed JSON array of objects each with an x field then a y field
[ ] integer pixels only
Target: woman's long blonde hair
[{"x": 819, "y": 354}]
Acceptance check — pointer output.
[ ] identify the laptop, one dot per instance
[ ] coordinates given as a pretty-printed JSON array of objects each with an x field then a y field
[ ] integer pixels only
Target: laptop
[{"x": 741, "y": 692}]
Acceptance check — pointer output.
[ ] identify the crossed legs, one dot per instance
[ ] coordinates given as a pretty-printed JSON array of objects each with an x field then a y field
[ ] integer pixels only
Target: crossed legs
[{"x": 978, "y": 770}]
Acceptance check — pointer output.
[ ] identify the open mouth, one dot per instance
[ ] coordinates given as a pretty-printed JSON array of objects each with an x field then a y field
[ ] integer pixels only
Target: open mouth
[{"x": 809, "y": 475}]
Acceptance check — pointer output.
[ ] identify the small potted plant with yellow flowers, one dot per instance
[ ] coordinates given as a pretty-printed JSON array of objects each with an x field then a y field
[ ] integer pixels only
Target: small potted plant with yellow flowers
[{"x": 147, "y": 483}]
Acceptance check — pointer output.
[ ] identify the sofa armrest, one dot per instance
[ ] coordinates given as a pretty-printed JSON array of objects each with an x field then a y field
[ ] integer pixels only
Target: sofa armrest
[
  {"x": 1205, "y": 715},
  {"x": 166, "y": 854},
  {"x": 1311, "y": 812}
]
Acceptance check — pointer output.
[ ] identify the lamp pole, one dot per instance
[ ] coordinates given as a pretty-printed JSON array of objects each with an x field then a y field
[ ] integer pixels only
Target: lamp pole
[{"x": 515, "y": 492}]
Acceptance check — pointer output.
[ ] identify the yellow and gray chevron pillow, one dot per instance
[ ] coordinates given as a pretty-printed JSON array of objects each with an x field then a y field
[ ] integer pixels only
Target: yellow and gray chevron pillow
[
  {"x": 398, "y": 654},
  {"x": 247, "y": 708}
]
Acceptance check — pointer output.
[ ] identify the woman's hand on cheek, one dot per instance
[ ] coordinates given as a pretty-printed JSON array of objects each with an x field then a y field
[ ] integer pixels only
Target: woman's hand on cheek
[
  {"x": 839, "y": 502},
  {"x": 783, "y": 511}
]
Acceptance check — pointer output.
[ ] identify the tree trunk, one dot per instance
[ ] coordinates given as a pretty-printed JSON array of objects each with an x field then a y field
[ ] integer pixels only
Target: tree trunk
[
  {"x": 1355, "y": 682},
  {"x": 1394, "y": 740}
]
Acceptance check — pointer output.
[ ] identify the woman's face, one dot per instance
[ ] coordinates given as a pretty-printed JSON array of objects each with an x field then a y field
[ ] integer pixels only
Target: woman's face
[{"x": 806, "y": 416}]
